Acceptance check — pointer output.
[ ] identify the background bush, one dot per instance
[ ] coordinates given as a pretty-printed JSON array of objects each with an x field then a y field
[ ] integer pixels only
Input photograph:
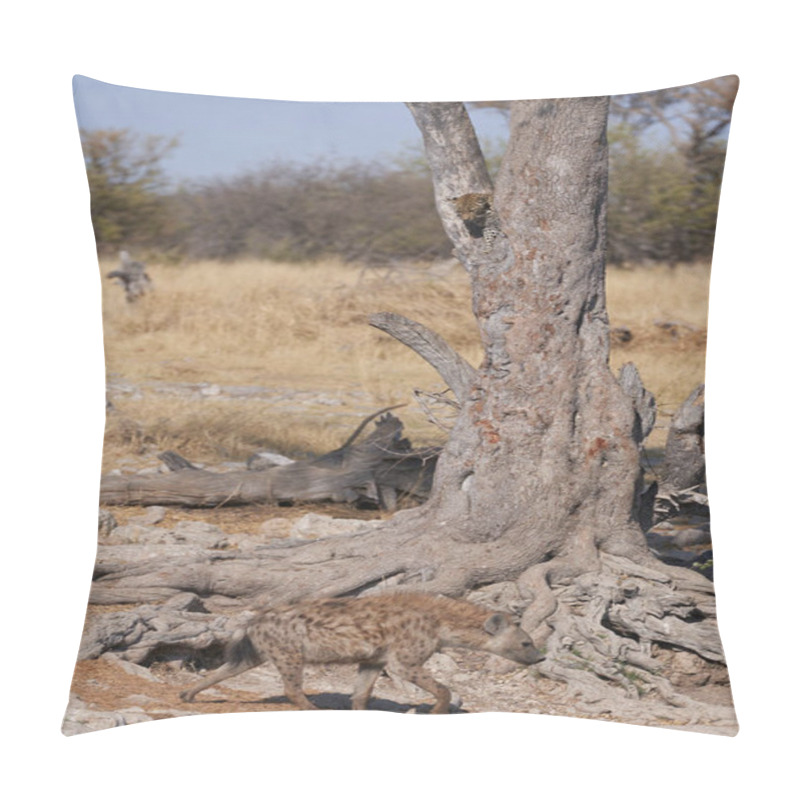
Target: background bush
[{"x": 667, "y": 151}]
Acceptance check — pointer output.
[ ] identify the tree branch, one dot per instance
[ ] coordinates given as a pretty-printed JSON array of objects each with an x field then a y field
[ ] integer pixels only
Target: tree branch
[
  {"x": 457, "y": 163},
  {"x": 455, "y": 371}
]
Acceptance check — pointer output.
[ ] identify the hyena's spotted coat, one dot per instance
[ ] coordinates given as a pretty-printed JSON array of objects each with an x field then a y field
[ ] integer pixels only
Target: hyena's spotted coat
[{"x": 397, "y": 631}]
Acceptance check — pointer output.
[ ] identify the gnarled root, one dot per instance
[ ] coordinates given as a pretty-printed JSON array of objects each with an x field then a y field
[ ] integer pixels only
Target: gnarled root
[{"x": 605, "y": 629}]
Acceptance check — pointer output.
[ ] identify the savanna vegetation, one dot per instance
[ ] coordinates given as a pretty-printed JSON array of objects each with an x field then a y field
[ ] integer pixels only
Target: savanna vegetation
[
  {"x": 269, "y": 276},
  {"x": 269, "y": 280},
  {"x": 666, "y": 154},
  {"x": 304, "y": 327}
]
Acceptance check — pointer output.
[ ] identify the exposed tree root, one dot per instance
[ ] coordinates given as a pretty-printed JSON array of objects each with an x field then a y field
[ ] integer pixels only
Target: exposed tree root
[
  {"x": 599, "y": 630},
  {"x": 598, "y": 616}
]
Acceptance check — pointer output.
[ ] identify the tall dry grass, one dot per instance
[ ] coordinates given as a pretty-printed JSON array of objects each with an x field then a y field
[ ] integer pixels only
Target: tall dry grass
[
  {"x": 670, "y": 365},
  {"x": 304, "y": 328},
  {"x": 305, "y": 325}
]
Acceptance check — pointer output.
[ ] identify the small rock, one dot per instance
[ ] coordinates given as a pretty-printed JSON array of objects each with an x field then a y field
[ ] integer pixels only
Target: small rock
[
  {"x": 83, "y": 718},
  {"x": 279, "y": 526},
  {"x": 86, "y": 720},
  {"x": 128, "y": 534},
  {"x": 691, "y": 669},
  {"x": 137, "y": 700},
  {"x": 150, "y": 471},
  {"x": 173, "y": 712},
  {"x": 152, "y": 516},
  {"x": 133, "y": 715},
  {"x": 129, "y": 667},
  {"x": 685, "y": 662},
  {"x": 186, "y": 601},
  {"x": 211, "y": 391},
  {"x": 191, "y": 527},
  {"x": 663, "y": 527},
  {"x": 131, "y": 709},
  {"x": 691, "y": 537},
  {"x": 497, "y": 665},
  {"x": 317, "y": 526},
  {"x": 200, "y": 534},
  {"x": 106, "y": 522},
  {"x": 265, "y": 460}
]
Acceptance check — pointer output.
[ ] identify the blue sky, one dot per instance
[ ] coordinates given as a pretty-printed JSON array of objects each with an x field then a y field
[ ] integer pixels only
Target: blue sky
[{"x": 224, "y": 136}]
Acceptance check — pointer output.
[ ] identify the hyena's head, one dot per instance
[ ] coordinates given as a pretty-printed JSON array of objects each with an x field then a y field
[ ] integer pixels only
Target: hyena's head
[{"x": 507, "y": 639}]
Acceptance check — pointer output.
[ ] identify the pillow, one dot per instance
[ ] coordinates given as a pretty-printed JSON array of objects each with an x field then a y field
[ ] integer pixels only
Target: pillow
[{"x": 512, "y": 517}]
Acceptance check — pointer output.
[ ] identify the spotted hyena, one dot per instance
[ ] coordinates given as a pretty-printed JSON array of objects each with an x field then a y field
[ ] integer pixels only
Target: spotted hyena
[{"x": 397, "y": 631}]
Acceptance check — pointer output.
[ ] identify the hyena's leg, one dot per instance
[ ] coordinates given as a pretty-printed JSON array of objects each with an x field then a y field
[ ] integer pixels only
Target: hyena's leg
[
  {"x": 367, "y": 675},
  {"x": 417, "y": 674},
  {"x": 223, "y": 673},
  {"x": 290, "y": 667}
]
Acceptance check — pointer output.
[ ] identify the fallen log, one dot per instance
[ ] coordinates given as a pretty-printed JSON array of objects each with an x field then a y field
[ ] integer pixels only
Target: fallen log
[{"x": 381, "y": 467}]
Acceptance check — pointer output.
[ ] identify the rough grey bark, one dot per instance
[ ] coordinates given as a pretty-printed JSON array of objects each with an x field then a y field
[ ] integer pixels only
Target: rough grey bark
[
  {"x": 681, "y": 490},
  {"x": 684, "y": 456},
  {"x": 644, "y": 406},
  {"x": 459, "y": 169},
  {"x": 540, "y": 482},
  {"x": 545, "y": 408}
]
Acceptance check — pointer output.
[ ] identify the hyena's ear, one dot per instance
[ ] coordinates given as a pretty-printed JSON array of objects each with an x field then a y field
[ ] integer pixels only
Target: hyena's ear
[{"x": 495, "y": 624}]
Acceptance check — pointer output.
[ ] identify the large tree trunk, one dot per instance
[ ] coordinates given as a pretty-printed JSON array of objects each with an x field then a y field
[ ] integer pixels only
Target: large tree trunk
[
  {"x": 539, "y": 482},
  {"x": 546, "y": 436}
]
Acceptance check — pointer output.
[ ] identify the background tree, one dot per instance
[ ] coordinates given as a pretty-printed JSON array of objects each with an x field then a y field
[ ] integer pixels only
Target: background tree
[
  {"x": 127, "y": 185},
  {"x": 293, "y": 212},
  {"x": 666, "y": 158},
  {"x": 655, "y": 212},
  {"x": 693, "y": 116},
  {"x": 668, "y": 152}
]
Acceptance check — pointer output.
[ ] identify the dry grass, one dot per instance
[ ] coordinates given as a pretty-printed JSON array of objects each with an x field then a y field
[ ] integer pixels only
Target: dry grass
[
  {"x": 303, "y": 328},
  {"x": 267, "y": 323},
  {"x": 670, "y": 365}
]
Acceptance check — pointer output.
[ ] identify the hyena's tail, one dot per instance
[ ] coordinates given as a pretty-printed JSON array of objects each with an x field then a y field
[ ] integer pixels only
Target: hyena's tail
[
  {"x": 241, "y": 652},
  {"x": 240, "y": 655}
]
